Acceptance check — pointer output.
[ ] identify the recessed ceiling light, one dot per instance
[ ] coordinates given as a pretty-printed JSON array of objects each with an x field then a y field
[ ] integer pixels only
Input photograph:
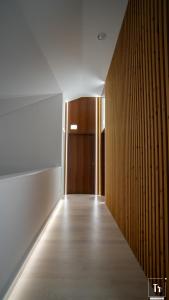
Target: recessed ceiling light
[{"x": 101, "y": 36}]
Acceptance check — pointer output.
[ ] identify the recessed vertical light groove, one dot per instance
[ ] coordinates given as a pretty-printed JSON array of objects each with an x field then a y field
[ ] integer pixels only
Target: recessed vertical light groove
[
  {"x": 96, "y": 149},
  {"x": 66, "y": 156}
]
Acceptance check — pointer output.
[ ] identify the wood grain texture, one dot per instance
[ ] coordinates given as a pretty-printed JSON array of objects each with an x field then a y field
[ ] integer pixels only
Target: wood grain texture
[
  {"x": 82, "y": 113},
  {"x": 81, "y": 146},
  {"x": 81, "y": 164},
  {"x": 137, "y": 133}
]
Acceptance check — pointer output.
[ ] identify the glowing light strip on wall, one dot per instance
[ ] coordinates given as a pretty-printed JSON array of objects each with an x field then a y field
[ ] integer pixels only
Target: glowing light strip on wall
[
  {"x": 96, "y": 149},
  {"x": 66, "y": 156}
]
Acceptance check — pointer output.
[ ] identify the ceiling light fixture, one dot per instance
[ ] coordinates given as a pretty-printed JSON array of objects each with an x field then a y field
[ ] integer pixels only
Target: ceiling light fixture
[{"x": 101, "y": 36}]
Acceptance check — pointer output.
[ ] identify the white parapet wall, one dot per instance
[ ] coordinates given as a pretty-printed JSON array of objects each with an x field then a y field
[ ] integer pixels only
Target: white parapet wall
[{"x": 26, "y": 201}]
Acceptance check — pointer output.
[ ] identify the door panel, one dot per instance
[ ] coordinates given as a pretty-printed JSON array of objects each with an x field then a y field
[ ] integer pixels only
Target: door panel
[{"x": 81, "y": 164}]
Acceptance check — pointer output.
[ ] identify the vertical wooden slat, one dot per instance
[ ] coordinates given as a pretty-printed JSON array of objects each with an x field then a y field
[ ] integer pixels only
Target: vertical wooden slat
[
  {"x": 153, "y": 136},
  {"x": 163, "y": 98},
  {"x": 143, "y": 145},
  {"x": 152, "y": 145},
  {"x": 166, "y": 87},
  {"x": 145, "y": 164},
  {"x": 148, "y": 144}
]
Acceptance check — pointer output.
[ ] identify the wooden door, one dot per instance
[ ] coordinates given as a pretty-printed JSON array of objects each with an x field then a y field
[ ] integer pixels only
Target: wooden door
[
  {"x": 81, "y": 146},
  {"x": 81, "y": 164}
]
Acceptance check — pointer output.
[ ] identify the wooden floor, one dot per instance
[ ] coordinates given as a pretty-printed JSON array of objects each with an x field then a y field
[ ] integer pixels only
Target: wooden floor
[{"x": 82, "y": 256}]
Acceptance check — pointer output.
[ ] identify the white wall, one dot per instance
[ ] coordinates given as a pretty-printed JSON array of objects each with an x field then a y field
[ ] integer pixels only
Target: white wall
[
  {"x": 26, "y": 201},
  {"x": 31, "y": 137},
  {"x": 8, "y": 105}
]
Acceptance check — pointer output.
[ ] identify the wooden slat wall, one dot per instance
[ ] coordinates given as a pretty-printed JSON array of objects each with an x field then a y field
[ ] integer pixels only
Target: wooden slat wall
[{"x": 137, "y": 133}]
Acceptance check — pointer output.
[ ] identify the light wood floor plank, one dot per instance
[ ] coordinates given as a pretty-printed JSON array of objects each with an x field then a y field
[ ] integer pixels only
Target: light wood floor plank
[{"x": 83, "y": 257}]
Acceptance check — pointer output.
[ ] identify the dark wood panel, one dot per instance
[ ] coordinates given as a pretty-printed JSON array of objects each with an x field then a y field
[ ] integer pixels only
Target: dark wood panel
[
  {"x": 81, "y": 146},
  {"x": 137, "y": 133},
  {"x": 81, "y": 164},
  {"x": 82, "y": 113}
]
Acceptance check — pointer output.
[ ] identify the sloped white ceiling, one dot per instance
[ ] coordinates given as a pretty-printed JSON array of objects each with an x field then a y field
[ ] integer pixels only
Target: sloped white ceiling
[
  {"x": 51, "y": 46},
  {"x": 24, "y": 70}
]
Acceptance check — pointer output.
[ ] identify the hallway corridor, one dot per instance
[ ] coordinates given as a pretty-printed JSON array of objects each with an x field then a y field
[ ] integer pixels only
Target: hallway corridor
[{"x": 81, "y": 256}]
